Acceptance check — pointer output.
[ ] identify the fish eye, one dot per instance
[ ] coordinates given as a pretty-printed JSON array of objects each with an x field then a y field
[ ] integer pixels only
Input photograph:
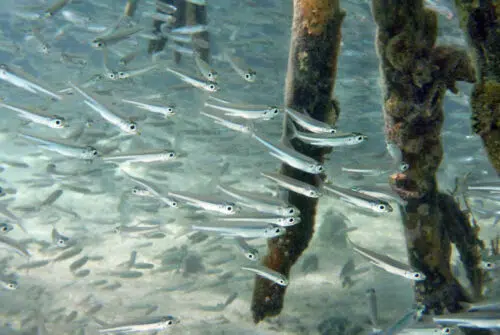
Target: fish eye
[
  {"x": 170, "y": 110},
  {"x": 11, "y": 286},
  {"x": 416, "y": 275},
  {"x": 132, "y": 126},
  {"x": 291, "y": 211},
  {"x": 229, "y": 208},
  {"x": 488, "y": 265},
  {"x": 381, "y": 207},
  {"x": 135, "y": 190},
  {"x": 169, "y": 322},
  {"x": 250, "y": 256},
  {"x": 320, "y": 168},
  {"x": 111, "y": 75},
  {"x": 291, "y": 220},
  {"x": 61, "y": 242},
  {"x": 333, "y": 131},
  {"x": 212, "y": 87},
  {"x": 171, "y": 155},
  {"x": 360, "y": 138},
  {"x": 446, "y": 331},
  {"x": 277, "y": 231},
  {"x": 4, "y": 228},
  {"x": 174, "y": 204},
  {"x": 94, "y": 152}
]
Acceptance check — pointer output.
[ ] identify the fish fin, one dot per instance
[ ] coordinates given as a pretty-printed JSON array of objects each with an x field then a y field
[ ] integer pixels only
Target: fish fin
[{"x": 293, "y": 130}]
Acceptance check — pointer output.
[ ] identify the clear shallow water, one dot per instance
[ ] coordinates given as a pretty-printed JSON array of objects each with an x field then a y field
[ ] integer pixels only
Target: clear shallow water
[{"x": 189, "y": 279}]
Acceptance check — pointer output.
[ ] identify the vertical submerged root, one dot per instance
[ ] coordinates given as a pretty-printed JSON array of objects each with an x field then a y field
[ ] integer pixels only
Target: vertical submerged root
[
  {"x": 201, "y": 42},
  {"x": 130, "y": 8},
  {"x": 158, "y": 45},
  {"x": 312, "y": 65},
  {"x": 480, "y": 20},
  {"x": 416, "y": 75}
]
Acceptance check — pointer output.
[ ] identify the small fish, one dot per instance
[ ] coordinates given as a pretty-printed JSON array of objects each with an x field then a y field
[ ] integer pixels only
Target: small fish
[
  {"x": 250, "y": 252},
  {"x": 9, "y": 283},
  {"x": 206, "y": 203},
  {"x": 33, "y": 265},
  {"x": 128, "y": 274},
  {"x": 207, "y": 86},
  {"x": 147, "y": 157},
  {"x": 168, "y": 201},
  {"x": 78, "y": 263},
  {"x": 328, "y": 140},
  {"x": 293, "y": 184},
  {"x": 59, "y": 240},
  {"x": 267, "y": 273},
  {"x": 5, "y": 227},
  {"x": 485, "y": 265},
  {"x": 166, "y": 111},
  {"x": 309, "y": 123},
  {"x": 55, "y": 121},
  {"x": 245, "y": 231},
  {"x": 136, "y": 72},
  {"x": 86, "y": 153},
  {"x": 359, "y": 199},
  {"x": 165, "y": 7},
  {"x": 243, "y": 70},
  {"x": 372, "y": 306},
  {"x": 82, "y": 273},
  {"x": 69, "y": 253},
  {"x": 22, "y": 80},
  {"x": 205, "y": 69},
  {"x": 405, "y": 321},
  {"x": 190, "y": 30},
  {"x": 107, "y": 40},
  {"x": 389, "y": 264},
  {"x": 291, "y": 156},
  {"x": 56, "y": 7},
  {"x": 153, "y": 324},
  {"x": 260, "y": 202},
  {"x": 479, "y": 319},
  {"x": 481, "y": 306},
  {"x": 11, "y": 244},
  {"x": 283, "y": 221},
  {"x": 246, "y": 112},
  {"x": 128, "y": 127},
  {"x": 144, "y": 266},
  {"x": 242, "y": 128}
]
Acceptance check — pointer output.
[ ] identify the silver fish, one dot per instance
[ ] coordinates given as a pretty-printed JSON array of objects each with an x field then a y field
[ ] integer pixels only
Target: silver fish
[
  {"x": 282, "y": 221},
  {"x": 11, "y": 244},
  {"x": 5, "y": 227},
  {"x": 309, "y": 123},
  {"x": 190, "y": 30},
  {"x": 260, "y": 202},
  {"x": 207, "y": 86},
  {"x": 250, "y": 252},
  {"x": 359, "y": 199},
  {"x": 9, "y": 283},
  {"x": 246, "y": 112},
  {"x": 59, "y": 240},
  {"x": 206, "y": 203},
  {"x": 20, "y": 79},
  {"x": 293, "y": 184},
  {"x": 166, "y": 111},
  {"x": 291, "y": 156},
  {"x": 56, "y": 7},
  {"x": 372, "y": 306},
  {"x": 242, "y": 128},
  {"x": 128, "y": 127},
  {"x": 147, "y": 157},
  {"x": 479, "y": 319},
  {"x": 389, "y": 264},
  {"x": 136, "y": 72},
  {"x": 267, "y": 273},
  {"x": 205, "y": 69},
  {"x": 168, "y": 201},
  {"x": 243, "y": 70},
  {"x": 78, "y": 263},
  {"x": 87, "y": 153},
  {"x": 111, "y": 38},
  {"x": 328, "y": 140},
  {"x": 153, "y": 324},
  {"x": 245, "y": 231},
  {"x": 55, "y": 121}
]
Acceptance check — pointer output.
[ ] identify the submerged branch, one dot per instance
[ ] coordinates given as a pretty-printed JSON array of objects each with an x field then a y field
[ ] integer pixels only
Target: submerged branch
[
  {"x": 416, "y": 75},
  {"x": 312, "y": 65},
  {"x": 480, "y": 20}
]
